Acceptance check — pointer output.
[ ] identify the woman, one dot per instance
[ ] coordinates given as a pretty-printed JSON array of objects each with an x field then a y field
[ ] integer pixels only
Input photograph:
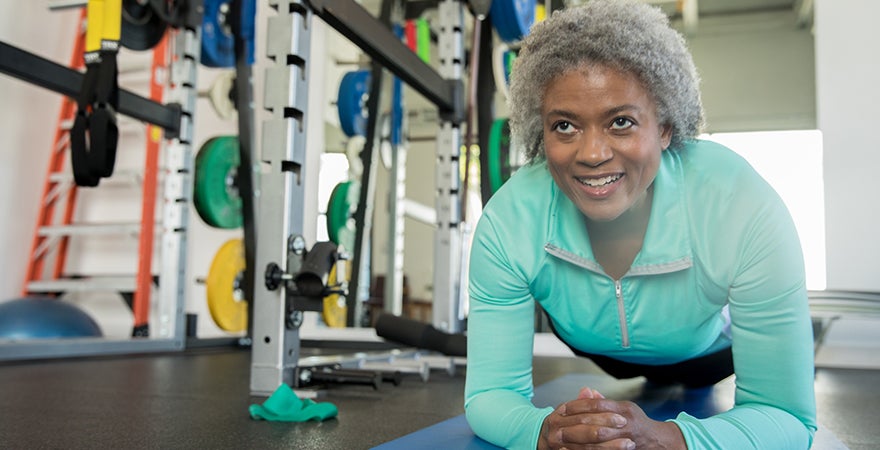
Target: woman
[{"x": 653, "y": 253}]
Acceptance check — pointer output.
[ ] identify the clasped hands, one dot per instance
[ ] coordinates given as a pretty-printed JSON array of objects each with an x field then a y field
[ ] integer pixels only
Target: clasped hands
[{"x": 593, "y": 422}]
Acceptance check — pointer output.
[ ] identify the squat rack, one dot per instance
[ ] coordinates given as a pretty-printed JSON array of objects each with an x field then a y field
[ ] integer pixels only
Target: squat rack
[{"x": 275, "y": 349}]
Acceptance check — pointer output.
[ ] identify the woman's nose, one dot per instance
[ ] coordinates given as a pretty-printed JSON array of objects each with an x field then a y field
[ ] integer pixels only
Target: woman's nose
[{"x": 594, "y": 149}]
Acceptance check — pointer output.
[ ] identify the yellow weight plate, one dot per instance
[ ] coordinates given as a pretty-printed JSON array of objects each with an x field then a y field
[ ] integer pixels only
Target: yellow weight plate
[
  {"x": 335, "y": 312},
  {"x": 225, "y": 302}
]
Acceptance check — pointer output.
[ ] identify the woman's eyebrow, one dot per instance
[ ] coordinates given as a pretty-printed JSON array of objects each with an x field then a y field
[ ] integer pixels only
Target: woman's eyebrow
[
  {"x": 622, "y": 108},
  {"x": 610, "y": 112}
]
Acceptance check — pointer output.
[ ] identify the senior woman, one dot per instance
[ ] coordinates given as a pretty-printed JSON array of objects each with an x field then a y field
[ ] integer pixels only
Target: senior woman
[{"x": 653, "y": 253}]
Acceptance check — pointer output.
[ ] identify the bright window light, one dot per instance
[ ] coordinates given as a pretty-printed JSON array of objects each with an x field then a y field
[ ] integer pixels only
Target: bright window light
[{"x": 791, "y": 161}]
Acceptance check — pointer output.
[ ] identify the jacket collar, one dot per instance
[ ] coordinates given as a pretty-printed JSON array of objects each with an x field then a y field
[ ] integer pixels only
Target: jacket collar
[{"x": 667, "y": 244}]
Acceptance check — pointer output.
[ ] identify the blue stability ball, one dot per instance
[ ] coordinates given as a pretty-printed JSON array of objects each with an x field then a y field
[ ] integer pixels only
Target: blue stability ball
[{"x": 41, "y": 318}]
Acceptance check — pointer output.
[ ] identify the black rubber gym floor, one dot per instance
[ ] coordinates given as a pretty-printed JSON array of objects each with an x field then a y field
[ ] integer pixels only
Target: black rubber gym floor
[{"x": 199, "y": 400}]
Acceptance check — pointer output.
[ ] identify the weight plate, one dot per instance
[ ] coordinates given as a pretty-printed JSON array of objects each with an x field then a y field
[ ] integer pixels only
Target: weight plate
[
  {"x": 410, "y": 35},
  {"x": 335, "y": 313},
  {"x": 142, "y": 28},
  {"x": 218, "y": 43},
  {"x": 509, "y": 59},
  {"x": 423, "y": 40},
  {"x": 215, "y": 193},
  {"x": 224, "y": 291},
  {"x": 340, "y": 214},
  {"x": 351, "y": 102},
  {"x": 512, "y": 19},
  {"x": 499, "y": 154}
]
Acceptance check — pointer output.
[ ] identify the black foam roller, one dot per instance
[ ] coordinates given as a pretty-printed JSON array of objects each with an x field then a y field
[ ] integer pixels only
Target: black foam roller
[{"x": 420, "y": 335}]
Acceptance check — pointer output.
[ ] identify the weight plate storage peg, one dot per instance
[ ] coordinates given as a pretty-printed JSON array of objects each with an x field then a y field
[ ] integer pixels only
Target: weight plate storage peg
[
  {"x": 223, "y": 284},
  {"x": 220, "y": 94},
  {"x": 351, "y": 102},
  {"x": 215, "y": 193},
  {"x": 512, "y": 19}
]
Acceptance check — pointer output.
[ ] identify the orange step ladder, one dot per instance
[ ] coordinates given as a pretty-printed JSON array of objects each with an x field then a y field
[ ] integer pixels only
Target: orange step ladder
[{"x": 59, "y": 198}]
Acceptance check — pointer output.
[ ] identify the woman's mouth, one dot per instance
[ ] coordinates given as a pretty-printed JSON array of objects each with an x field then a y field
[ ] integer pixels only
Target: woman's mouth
[{"x": 599, "y": 182}]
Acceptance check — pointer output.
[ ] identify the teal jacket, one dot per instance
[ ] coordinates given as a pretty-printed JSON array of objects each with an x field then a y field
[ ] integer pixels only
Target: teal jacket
[{"x": 718, "y": 235}]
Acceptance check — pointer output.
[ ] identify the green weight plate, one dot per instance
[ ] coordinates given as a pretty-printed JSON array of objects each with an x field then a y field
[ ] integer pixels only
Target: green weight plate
[
  {"x": 215, "y": 194},
  {"x": 499, "y": 154},
  {"x": 423, "y": 40},
  {"x": 340, "y": 213},
  {"x": 509, "y": 59}
]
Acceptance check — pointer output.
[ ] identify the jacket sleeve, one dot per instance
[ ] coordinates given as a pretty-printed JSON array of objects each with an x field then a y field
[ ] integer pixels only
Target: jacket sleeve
[
  {"x": 498, "y": 389},
  {"x": 771, "y": 334}
]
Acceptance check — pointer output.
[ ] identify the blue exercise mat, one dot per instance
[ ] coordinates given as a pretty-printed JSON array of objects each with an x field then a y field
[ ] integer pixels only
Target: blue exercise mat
[{"x": 658, "y": 403}]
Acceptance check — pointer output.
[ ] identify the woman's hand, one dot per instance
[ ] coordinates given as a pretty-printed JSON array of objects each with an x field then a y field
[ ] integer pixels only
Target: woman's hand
[{"x": 593, "y": 422}]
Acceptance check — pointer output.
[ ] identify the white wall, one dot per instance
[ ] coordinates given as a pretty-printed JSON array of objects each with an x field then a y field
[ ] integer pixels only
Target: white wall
[
  {"x": 757, "y": 72},
  {"x": 848, "y": 95},
  {"x": 27, "y": 120}
]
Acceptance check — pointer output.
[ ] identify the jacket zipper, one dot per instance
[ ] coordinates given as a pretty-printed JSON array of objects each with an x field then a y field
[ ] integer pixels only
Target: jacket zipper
[
  {"x": 593, "y": 267},
  {"x": 621, "y": 314},
  {"x": 618, "y": 287}
]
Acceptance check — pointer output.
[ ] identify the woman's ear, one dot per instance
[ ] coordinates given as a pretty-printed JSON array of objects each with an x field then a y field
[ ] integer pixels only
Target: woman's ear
[{"x": 665, "y": 136}]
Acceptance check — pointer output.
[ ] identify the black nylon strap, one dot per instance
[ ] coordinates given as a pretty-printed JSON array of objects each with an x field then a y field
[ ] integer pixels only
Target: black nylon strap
[
  {"x": 103, "y": 129},
  {"x": 95, "y": 133},
  {"x": 79, "y": 133},
  {"x": 79, "y": 157}
]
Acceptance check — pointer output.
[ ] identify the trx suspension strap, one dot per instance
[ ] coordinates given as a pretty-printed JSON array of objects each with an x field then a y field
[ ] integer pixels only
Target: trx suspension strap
[{"x": 94, "y": 135}]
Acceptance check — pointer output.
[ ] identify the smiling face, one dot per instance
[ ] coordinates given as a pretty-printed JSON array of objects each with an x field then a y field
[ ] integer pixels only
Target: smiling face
[{"x": 602, "y": 140}]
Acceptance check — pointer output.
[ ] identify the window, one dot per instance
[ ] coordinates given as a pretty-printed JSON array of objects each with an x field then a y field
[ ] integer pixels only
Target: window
[{"x": 791, "y": 161}]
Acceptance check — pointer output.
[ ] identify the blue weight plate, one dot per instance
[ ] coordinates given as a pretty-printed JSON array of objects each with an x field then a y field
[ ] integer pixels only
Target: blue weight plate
[
  {"x": 351, "y": 102},
  {"x": 218, "y": 44},
  {"x": 512, "y": 19}
]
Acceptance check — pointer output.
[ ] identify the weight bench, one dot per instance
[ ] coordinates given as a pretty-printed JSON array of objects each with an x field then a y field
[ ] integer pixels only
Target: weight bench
[{"x": 826, "y": 307}]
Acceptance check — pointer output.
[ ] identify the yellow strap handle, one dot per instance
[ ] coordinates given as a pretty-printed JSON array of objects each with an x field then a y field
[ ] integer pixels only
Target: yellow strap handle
[
  {"x": 94, "y": 25},
  {"x": 112, "y": 24},
  {"x": 104, "y": 25}
]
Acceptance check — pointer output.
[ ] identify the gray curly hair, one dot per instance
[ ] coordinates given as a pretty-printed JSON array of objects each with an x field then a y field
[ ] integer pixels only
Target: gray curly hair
[{"x": 626, "y": 35}]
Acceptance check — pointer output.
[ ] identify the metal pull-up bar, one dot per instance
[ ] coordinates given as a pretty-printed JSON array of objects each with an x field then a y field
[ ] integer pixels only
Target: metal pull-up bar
[{"x": 55, "y": 77}]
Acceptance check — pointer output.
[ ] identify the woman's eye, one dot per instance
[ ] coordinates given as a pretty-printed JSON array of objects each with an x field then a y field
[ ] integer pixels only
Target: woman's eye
[
  {"x": 621, "y": 123},
  {"x": 564, "y": 127}
]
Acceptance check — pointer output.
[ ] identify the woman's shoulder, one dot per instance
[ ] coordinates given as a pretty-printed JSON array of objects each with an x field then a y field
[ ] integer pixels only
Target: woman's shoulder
[
  {"x": 722, "y": 188},
  {"x": 527, "y": 189},
  {"x": 713, "y": 167},
  {"x": 521, "y": 206},
  {"x": 700, "y": 156}
]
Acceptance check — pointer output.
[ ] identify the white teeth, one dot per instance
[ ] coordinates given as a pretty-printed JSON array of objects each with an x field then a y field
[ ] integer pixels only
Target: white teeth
[{"x": 597, "y": 182}]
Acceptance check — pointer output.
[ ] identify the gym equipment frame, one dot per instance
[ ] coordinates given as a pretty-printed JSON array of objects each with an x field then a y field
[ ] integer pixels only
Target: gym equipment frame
[
  {"x": 281, "y": 249},
  {"x": 176, "y": 118}
]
